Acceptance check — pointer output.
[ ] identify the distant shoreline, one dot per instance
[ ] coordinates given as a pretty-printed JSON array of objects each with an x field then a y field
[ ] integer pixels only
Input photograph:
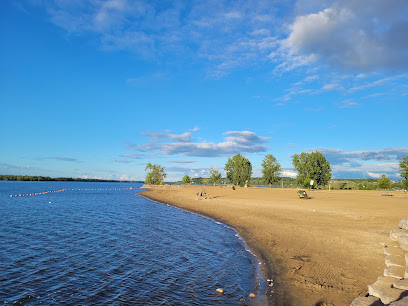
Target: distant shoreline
[
  {"x": 28, "y": 178},
  {"x": 322, "y": 250}
]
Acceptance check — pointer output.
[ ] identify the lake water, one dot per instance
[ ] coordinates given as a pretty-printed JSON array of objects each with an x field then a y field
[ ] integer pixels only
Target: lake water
[{"x": 107, "y": 245}]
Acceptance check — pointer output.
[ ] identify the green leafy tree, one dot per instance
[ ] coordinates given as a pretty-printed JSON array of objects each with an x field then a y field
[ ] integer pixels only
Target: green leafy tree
[
  {"x": 215, "y": 176},
  {"x": 186, "y": 179},
  {"x": 238, "y": 169},
  {"x": 384, "y": 182},
  {"x": 270, "y": 170},
  {"x": 311, "y": 166},
  {"x": 404, "y": 170},
  {"x": 155, "y": 174}
]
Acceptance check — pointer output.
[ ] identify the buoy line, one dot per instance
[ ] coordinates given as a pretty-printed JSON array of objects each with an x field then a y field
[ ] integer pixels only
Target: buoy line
[{"x": 63, "y": 190}]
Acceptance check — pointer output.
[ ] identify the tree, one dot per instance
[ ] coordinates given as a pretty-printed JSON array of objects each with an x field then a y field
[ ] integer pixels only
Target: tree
[
  {"x": 270, "y": 170},
  {"x": 215, "y": 176},
  {"x": 311, "y": 166},
  {"x": 186, "y": 179},
  {"x": 238, "y": 169},
  {"x": 156, "y": 174},
  {"x": 404, "y": 169},
  {"x": 384, "y": 182}
]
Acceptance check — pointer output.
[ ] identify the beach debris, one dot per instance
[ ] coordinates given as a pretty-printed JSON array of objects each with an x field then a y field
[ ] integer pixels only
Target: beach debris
[
  {"x": 252, "y": 295},
  {"x": 387, "y": 194},
  {"x": 302, "y": 194},
  {"x": 220, "y": 290}
]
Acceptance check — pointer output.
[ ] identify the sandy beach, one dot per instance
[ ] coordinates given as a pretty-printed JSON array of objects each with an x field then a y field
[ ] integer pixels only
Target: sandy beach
[{"x": 320, "y": 251}]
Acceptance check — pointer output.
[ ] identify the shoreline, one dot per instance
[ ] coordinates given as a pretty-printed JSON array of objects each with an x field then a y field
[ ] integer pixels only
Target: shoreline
[
  {"x": 325, "y": 250},
  {"x": 260, "y": 284}
]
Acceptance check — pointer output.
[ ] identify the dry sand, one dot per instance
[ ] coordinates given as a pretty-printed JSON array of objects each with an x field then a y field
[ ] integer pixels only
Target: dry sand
[{"x": 325, "y": 250}]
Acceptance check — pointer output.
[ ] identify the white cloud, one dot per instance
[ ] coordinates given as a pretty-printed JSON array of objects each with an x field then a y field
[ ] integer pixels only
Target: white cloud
[
  {"x": 360, "y": 36},
  {"x": 349, "y": 103},
  {"x": 374, "y": 175},
  {"x": 184, "y": 137},
  {"x": 225, "y": 34},
  {"x": 289, "y": 173},
  {"x": 348, "y": 164},
  {"x": 244, "y": 142}
]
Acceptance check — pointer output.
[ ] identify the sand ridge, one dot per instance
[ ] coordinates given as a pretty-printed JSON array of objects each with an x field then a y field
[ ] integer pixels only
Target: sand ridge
[{"x": 325, "y": 250}]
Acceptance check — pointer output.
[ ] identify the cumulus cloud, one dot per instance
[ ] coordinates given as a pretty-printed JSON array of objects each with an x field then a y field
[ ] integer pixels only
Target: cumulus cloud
[
  {"x": 185, "y": 137},
  {"x": 361, "y": 36},
  {"x": 362, "y": 163},
  {"x": 338, "y": 155},
  {"x": 183, "y": 144}
]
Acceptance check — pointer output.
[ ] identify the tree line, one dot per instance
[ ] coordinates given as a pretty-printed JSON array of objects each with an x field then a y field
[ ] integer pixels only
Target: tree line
[
  {"x": 6, "y": 177},
  {"x": 313, "y": 170}
]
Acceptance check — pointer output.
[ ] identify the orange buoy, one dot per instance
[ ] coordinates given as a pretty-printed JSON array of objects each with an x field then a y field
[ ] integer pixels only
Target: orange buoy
[
  {"x": 220, "y": 290},
  {"x": 251, "y": 295}
]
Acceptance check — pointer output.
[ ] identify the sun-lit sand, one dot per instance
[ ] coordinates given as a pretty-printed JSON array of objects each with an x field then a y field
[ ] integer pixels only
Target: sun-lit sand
[{"x": 324, "y": 250}]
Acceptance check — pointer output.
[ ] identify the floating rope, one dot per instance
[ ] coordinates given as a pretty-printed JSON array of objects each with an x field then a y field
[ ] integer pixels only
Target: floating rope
[{"x": 62, "y": 190}]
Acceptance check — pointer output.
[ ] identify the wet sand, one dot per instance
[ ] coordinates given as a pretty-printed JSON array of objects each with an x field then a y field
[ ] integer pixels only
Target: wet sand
[{"x": 324, "y": 250}]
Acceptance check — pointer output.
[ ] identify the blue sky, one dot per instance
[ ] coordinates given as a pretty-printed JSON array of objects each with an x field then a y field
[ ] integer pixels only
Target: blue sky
[{"x": 98, "y": 89}]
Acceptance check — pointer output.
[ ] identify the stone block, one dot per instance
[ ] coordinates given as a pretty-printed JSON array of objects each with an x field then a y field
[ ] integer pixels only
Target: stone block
[
  {"x": 382, "y": 289},
  {"x": 404, "y": 246},
  {"x": 403, "y": 224},
  {"x": 401, "y": 284},
  {"x": 394, "y": 271},
  {"x": 395, "y": 260},
  {"x": 366, "y": 301},
  {"x": 401, "y": 302},
  {"x": 393, "y": 235},
  {"x": 393, "y": 248}
]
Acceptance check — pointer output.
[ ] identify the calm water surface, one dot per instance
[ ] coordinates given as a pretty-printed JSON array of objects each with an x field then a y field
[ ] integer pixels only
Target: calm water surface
[{"x": 115, "y": 247}]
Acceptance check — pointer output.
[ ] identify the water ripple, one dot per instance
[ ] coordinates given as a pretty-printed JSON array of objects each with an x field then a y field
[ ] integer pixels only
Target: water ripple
[{"x": 117, "y": 248}]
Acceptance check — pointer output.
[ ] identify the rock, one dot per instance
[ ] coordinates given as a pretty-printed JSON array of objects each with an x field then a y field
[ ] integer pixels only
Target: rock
[
  {"x": 393, "y": 248},
  {"x": 251, "y": 295},
  {"x": 401, "y": 284},
  {"x": 402, "y": 302},
  {"x": 393, "y": 235},
  {"x": 400, "y": 236},
  {"x": 403, "y": 224},
  {"x": 382, "y": 289},
  {"x": 366, "y": 301},
  {"x": 394, "y": 271},
  {"x": 395, "y": 260},
  {"x": 404, "y": 246},
  {"x": 220, "y": 290}
]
